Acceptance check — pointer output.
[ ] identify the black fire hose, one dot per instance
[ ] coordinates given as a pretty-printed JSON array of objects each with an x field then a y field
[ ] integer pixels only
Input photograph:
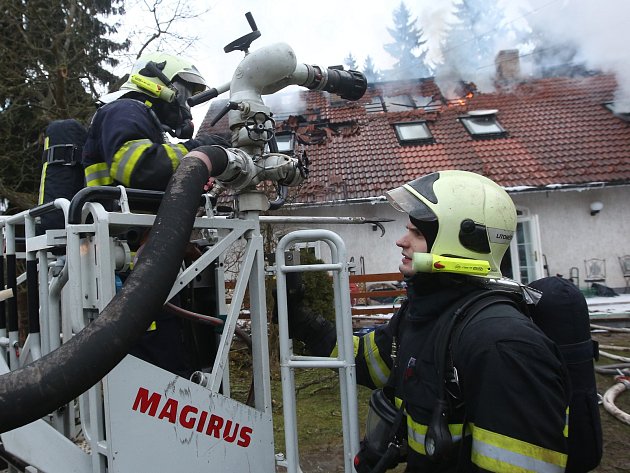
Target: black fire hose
[{"x": 56, "y": 379}]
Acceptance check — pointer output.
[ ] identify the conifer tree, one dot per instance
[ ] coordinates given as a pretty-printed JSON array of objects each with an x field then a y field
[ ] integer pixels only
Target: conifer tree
[
  {"x": 350, "y": 62},
  {"x": 53, "y": 57},
  {"x": 407, "y": 46},
  {"x": 470, "y": 46},
  {"x": 369, "y": 70}
]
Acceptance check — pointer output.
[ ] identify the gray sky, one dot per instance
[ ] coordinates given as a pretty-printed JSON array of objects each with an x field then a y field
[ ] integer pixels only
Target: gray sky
[{"x": 324, "y": 32}]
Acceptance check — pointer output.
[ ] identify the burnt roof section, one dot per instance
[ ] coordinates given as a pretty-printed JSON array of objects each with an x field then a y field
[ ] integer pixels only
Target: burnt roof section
[{"x": 557, "y": 131}]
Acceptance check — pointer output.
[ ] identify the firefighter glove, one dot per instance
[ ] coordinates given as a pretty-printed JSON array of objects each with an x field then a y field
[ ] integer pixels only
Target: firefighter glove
[{"x": 206, "y": 140}]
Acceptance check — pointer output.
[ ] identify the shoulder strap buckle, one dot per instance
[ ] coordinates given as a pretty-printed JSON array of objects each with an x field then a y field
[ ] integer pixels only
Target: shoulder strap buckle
[{"x": 66, "y": 154}]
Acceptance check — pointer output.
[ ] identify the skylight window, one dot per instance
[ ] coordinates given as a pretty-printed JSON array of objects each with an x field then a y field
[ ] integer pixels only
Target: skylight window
[
  {"x": 428, "y": 104},
  {"x": 483, "y": 124},
  {"x": 410, "y": 133},
  {"x": 399, "y": 103},
  {"x": 623, "y": 115},
  {"x": 375, "y": 105}
]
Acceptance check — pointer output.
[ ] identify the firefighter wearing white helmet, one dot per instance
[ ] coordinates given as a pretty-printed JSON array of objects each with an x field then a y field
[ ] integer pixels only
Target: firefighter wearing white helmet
[
  {"x": 498, "y": 401},
  {"x": 127, "y": 143}
]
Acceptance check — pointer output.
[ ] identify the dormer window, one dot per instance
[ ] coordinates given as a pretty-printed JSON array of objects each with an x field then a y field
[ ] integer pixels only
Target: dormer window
[
  {"x": 483, "y": 124},
  {"x": 413, "y": 133}
]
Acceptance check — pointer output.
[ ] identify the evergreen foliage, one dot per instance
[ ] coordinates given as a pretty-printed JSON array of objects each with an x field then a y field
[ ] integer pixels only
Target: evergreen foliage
[
  {"x": 407, "y": 38},
  {"x": 369, "y": 70},
  {"x": 350, "y": 62},
  {"x": 318, "y": 289},
  {"x": 53, "y": 58},
  {"x": 470, "y": 46}
]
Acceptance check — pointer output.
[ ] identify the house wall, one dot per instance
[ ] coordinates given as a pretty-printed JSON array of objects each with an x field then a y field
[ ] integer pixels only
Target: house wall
[
  {"x": 569, "y": 234},
  {"x": 379, "y": 253}
]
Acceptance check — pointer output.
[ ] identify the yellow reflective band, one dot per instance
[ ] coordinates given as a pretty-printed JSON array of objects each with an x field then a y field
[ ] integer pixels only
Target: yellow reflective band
[
  {"x": 152, "y": 327},
  {"x": 416, "y": 433},
  {"x": 355, "y": 343},
  {"x": 98, "y": 175},
  {"x": 40, "y": 201},
  {"x": 47, "y": 142},
  {"x": 566, "y": 423},
  {"x": 126, "y": 158},
  {"x": 379, "y": 372},
  {"x": 174, "y": 153},
  {"x": 499, "y": 453},
  {"x": 182, "y": 148}
]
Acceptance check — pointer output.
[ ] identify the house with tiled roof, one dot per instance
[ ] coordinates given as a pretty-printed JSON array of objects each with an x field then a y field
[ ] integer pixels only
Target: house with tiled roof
[{"x": 556, "y": 144}]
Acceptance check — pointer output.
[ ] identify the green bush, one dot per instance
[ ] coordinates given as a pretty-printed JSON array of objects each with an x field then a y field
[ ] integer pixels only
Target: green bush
[{"x": 319, "y": 294}]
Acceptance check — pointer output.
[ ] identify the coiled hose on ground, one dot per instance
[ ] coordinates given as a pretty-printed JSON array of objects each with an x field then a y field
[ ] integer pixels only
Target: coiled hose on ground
[
  {"x": 41, "y": 387},
  {"x": 622, "y": 381}
]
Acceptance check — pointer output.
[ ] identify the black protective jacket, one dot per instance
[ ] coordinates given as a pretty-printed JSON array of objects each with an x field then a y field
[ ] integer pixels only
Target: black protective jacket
[
  {"x": 512, "y": 396},
  {"x": 126, "y": 145}
]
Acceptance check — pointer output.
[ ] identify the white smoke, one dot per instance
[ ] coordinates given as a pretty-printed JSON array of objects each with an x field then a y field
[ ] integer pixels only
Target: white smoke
[
  {"x": 598, "y": 30},
  {"x": 601, "y": 32},
  {"x": 325, "y": 32}
]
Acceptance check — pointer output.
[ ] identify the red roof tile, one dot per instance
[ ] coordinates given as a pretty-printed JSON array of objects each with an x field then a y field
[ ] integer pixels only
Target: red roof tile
[{"x": 557, "y": 132}]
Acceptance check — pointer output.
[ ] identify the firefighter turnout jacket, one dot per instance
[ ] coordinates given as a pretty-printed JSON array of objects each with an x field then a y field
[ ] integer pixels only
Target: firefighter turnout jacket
[
  {"x": 509, "y": 405},
  {"x": 126, "y": 145}
]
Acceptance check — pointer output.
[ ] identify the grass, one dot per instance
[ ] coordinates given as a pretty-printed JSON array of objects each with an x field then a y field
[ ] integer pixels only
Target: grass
[
  {"x": 318, "y": 406},
  {"x": 319, "y": 415}
]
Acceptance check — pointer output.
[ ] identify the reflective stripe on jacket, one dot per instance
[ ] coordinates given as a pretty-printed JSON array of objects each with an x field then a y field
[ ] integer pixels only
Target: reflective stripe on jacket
[
  {"x": 512, "y": 393},
  {"x": 126, "y": 145}
]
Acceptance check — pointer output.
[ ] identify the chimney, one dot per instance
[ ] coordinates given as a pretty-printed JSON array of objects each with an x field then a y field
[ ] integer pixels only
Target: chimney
[{"x": 508, "y": 66}]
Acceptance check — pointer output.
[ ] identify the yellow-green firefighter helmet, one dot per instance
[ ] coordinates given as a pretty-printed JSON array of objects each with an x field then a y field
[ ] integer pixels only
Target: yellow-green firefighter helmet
[
  {"x": 475, "y": 217},
  {"x": 161, "y": 76}
]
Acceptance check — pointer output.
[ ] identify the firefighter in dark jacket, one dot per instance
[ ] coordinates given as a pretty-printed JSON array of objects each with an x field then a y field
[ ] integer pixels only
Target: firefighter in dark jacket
[
  {"x": 127, "y": 142},
  {"x": 127, "y": 145},
  {"x": 504, "y": 407}
]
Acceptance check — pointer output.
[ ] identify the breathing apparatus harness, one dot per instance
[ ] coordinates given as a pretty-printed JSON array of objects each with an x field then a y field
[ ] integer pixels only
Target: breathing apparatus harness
[
  {"x": 438, "y": 439},
  {"x": 384, "y": 445}
]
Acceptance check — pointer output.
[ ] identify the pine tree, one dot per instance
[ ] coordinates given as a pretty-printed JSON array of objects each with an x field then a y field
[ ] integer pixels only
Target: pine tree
[
  {"x": 369, "y": 70},
  {"x": 469, "y": 48},
  {"x": 53, "y": 58},
  {"x": 350, "y": 62},
  {"x": 407, "y": 39}
]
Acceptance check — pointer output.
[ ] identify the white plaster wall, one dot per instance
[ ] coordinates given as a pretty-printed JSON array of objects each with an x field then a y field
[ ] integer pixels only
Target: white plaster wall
[
  {"x": 569, "y": 234},
  {"x": 380, "y": 254}
]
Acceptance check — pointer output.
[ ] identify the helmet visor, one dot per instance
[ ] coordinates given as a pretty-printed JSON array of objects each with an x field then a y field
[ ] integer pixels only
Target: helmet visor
[
  {"x": 194, "y": 81},
  {"x": 408, "y": 200}
]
